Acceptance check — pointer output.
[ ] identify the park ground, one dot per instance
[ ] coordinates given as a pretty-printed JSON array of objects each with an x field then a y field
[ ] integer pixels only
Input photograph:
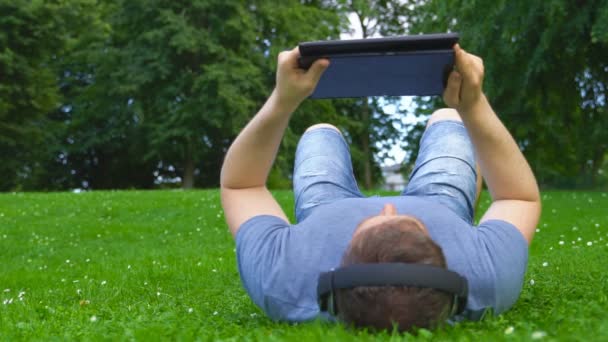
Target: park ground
[{"x": 160, "y": 265}]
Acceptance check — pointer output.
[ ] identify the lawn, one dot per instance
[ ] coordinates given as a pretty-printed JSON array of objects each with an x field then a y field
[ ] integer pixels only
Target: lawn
[{"x": 160, "y": 265}]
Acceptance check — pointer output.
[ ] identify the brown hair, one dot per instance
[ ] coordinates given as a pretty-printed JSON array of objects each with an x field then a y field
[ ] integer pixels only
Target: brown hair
[{"x": 386, "y": 307}]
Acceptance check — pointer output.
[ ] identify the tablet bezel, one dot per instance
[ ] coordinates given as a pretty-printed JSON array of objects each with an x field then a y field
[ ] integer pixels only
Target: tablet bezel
[{"x": 311, "y": 51}]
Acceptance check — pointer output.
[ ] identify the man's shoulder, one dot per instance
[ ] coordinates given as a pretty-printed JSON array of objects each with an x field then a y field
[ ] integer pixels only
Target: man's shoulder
[
  {"x": 279, "y": 265},
  {"x": 493, "y": 257}
]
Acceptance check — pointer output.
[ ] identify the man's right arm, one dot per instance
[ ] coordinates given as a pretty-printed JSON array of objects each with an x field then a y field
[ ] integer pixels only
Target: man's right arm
[{"x": 515, "y": 194}]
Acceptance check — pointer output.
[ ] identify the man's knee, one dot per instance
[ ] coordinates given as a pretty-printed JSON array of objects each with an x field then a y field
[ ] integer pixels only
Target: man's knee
[
  {"x": 443, "y": 114},
  {"x": 323, "y": 125}
]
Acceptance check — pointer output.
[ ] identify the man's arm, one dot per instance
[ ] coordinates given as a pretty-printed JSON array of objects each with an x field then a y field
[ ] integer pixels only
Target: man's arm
[
  {"x": 515, "y": 194},
  {"x": 251, "y": 155}
]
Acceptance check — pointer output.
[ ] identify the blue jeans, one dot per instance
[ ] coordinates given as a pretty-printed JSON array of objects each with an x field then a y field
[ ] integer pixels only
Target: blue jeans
[{"x": 444, "y": 170}]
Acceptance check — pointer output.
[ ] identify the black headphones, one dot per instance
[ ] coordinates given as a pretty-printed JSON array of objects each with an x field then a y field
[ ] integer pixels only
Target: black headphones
[{"x": 391, "y": 274}]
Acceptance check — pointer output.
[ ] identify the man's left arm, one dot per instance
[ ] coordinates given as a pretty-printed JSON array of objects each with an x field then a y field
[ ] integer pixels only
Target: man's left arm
[{"x": 252, "y": 154}]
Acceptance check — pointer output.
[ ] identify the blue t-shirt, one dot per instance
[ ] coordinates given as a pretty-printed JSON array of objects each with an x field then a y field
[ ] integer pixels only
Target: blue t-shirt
[{"x": 280, "y": 263}]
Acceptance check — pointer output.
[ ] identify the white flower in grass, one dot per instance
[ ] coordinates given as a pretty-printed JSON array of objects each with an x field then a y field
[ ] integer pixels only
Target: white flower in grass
[
  {"x": 93, "y": 318},
  {"x": 509, "y": 330},
  {"x": 7, "y": 290},
  {"x": 103, "y": 282},
  {"x": 575, "y": 228},
  {"x": 157, "y": 294},
  {"x": 215, "y": 313},
  {"x": 561, "y": 242},
  {"x": 597, "y": 225},
  {"x": 190, "y": 310},
  {"x": 545, "y": 264},
  {"x": 537, "y": 335},
  {"x": 532, "y": 282},
  {"x": 67, "y": 261},
  {"x": 128, "y": 267},
  {"x": 8, "y": 301},
  {"x": 589, "y": 243},
  {"x": 214, "y": 270},
  {"x": 537, "y": 230}
]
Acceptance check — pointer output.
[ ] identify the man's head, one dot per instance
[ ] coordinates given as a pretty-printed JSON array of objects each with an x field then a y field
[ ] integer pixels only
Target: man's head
[{"x": 390, "y": 237}]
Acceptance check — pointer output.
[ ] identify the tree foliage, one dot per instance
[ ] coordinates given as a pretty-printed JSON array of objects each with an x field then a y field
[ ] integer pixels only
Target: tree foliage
[
  {"x": 546, "y": 74},
  {"x": 30, "y": 32},
  {"x": 133, "y": 94}
]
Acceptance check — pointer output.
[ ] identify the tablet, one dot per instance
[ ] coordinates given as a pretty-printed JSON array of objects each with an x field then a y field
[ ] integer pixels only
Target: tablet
[{"x": 395, "y": 66}]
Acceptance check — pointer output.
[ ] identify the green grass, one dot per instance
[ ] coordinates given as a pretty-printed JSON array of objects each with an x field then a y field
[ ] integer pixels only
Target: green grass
[{"x": 161, "y": 265}]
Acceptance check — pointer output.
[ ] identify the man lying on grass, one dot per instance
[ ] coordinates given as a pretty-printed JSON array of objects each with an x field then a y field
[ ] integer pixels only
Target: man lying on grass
[{"x": 430, "y": 223}]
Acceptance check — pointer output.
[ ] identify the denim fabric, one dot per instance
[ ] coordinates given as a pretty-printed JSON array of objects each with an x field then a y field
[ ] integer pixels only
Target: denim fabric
[
  {"x": 444, "y": 170},
  {"x": 323, "y": 171}
]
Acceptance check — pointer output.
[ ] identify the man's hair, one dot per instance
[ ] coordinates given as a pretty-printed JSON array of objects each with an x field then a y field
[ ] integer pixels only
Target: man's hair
[{"x": 403, "y": 307}]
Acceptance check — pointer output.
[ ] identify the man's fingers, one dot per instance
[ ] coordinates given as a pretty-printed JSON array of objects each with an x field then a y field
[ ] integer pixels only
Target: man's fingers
[
  {"x": 463, "y": 61},
  {"x": 289, "y": 58},
  {"x": 469, "y": 66},
  {"x": 451, "y": 95},
  {"x": 317, "y": 68}
]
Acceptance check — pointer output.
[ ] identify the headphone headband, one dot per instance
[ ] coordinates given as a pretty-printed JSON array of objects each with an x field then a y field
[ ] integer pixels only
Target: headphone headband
[{"x": 391, "y": 274}]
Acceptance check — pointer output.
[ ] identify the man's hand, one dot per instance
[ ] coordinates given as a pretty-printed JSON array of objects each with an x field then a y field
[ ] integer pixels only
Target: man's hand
[
  {"x": 294, "y": 85},
  {"x": 463, "y": 90}
]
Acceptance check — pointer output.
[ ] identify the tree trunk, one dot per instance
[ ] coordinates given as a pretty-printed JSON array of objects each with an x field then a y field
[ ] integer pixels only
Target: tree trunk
[
  {"x": 367, "y": 163},
  {"x": 598, "y": 161},
  {"x": 188, "y": 177}
]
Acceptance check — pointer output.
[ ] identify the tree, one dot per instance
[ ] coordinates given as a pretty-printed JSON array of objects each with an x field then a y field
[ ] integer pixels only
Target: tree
[
  {"x": 160, "y": 89},
  {"x": 546, "y": 74},
  {"x": 30, "y": 32}
]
